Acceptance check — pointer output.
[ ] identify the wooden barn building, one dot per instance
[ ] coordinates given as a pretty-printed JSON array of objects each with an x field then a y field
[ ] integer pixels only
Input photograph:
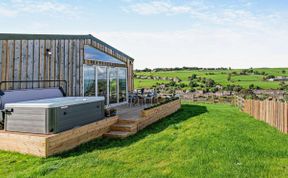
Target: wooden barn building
[{"x": 82, "y": 64}]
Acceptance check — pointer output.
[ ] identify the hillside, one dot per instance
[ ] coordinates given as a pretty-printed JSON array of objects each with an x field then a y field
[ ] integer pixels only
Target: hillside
[
  {"x": 198, "y": 141},
  {"x": 219, "y": 76}
]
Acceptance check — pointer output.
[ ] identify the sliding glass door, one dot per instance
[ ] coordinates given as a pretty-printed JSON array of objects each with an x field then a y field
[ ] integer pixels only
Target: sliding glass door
[
  {"x": 110, "y": 82},
  {"x": 122, "y": 75},
  {"x": 113, "y": 85},
  {"x": 102, "y": 84},
  {"x": 89, "y": 81}
]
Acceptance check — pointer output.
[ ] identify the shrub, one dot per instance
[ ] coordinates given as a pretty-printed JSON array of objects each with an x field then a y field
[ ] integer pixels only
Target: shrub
[
  {"x": 251, "y": 87},
  {"x": 193, "y": 84},
  {"x": 194, "y": 76},
  {"x": 214, "y": 89}
]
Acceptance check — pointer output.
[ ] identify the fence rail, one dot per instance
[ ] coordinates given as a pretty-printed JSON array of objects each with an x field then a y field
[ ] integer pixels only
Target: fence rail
[{"x": 272, "y": 112}]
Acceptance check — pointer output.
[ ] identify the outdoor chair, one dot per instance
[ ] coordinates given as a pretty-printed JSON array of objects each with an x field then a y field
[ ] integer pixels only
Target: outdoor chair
[
  {"x": 133, "y": 99},
  {"x": 156, "y": 97},
  {"x": 149, "y": 97}
]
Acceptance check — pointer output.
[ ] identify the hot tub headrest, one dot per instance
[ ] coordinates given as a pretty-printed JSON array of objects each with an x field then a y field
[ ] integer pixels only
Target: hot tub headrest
[{"x": 14, "y": 96}]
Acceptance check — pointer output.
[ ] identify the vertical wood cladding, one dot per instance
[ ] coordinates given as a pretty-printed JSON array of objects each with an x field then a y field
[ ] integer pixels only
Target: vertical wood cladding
[{"x": 28, "y": 59}]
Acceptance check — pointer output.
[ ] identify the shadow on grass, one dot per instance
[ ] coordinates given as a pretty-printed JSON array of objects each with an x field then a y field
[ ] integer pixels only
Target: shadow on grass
[{"x": 186, "y": 112}]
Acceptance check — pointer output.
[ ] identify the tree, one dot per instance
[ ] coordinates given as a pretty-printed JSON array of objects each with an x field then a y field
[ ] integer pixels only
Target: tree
[
  {"x": 283, "y": 86},
  {"x": 194, "y": 76},
  {"x": 214, "y": 89},
  {"x": 283, "y": 71},
  {"x": 193, "y": 84},
  {"x": 183, "y": 85},
  {"x": 209, "y": 83},
  {"x": 229, "y": 77},
  {"x": 251, "y": 87},
  {"x": 269, "y": 77},
  {"x": 237, "y": 88},
  {"x": 147, "y": 70}
]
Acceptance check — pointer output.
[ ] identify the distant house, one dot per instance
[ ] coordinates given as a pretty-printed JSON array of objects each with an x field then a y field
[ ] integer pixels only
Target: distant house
[{"x": 177, "y": 80}]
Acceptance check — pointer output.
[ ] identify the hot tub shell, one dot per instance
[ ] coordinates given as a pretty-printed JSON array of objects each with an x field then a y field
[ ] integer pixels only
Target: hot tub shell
[{"x": 55, "y": 115}]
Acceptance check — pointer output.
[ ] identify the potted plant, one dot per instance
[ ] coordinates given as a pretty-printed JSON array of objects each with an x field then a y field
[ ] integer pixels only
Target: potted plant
[{"x": 110, "y": 112}]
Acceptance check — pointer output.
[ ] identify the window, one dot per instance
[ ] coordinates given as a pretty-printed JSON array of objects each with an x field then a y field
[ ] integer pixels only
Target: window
[
  {"x": 113, "y": 94},
  {"x": 102, "y": 82},
  {"x": 122, "y": 74},
  {"x": 89, "y": 80},
  {"x": 110, "y": 82},
  {"x": 91, "y": 53}
]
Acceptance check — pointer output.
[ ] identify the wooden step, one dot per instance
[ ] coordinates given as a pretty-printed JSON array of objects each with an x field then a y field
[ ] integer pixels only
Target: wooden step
[
  {"x": 124, "y": 127},
  {"x": 118, "y": 134},
  {"x": 127, "y": 121}
]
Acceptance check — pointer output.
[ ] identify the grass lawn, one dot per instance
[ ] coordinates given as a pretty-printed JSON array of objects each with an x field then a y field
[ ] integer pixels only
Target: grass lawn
[
  {"x": 220, "y": 76},
  {"x": 200, "y": 140}
]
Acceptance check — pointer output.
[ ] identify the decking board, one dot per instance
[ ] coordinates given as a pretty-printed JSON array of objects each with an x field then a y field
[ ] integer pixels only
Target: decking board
[{"x": 47, "y": 145}]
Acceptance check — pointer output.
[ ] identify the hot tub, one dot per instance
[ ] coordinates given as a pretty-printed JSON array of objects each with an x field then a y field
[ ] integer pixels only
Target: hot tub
[{"x": 47, "y": 116}]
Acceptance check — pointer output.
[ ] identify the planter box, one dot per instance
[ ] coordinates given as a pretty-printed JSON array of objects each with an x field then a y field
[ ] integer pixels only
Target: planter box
[{"x": 155, "y": 114}]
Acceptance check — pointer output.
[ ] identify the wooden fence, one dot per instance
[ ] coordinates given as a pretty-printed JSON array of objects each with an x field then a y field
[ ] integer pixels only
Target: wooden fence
[{"x": 272, "y": 112}]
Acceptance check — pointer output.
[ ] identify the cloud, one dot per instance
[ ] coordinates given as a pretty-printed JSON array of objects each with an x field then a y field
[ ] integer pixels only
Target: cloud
[
  {"x": 158, "y": 7},
  {"x": 4, "y": 11},
  {"x": 10, "y": 8},
  {"x": 240, "y": 15}
]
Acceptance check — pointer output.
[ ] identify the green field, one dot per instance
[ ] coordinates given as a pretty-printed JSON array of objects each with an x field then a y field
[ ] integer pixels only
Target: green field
[
  {"x": 202, "y": 140},
  {"x": 220, "y": 77},
  {"x": 143, "y": 83}
]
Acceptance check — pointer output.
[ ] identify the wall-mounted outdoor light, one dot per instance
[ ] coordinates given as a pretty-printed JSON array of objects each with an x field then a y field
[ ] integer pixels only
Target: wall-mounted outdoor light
[{"x": 48, "y": 52}]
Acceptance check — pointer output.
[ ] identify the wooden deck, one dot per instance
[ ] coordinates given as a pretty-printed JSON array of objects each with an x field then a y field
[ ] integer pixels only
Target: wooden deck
[
  {"x": 134, "y": 118},
  {"x": 48, "y": 145},
  {"x": 127, "y": 112},
  {"x": 128, "y": 122}
]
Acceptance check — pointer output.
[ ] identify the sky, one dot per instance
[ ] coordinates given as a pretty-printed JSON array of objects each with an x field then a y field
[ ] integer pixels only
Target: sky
[{"x": 165, "y": 33}]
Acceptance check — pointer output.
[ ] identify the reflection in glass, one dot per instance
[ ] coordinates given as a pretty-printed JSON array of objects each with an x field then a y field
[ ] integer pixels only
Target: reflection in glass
[
  {"x": 102, "y": 82},
  {"x": 89, "y": 80},
  {"x": 122, "y": 73},
  {"x": 113, "y": 85},
  {"x": 91, "y": 53},
  {"x": 117, "y": 78}
]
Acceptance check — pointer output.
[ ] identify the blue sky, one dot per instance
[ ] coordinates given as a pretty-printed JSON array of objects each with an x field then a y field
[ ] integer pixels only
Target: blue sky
[{"x": 166, "y": 33}]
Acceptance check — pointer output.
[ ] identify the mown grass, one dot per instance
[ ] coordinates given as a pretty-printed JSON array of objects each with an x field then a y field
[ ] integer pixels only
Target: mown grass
[
  {"x": 203, "y": 140},
  {"x": 220, "y": 76}
]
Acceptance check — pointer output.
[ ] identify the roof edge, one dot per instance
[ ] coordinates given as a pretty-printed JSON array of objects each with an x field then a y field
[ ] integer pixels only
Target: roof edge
[
  {"x": 105, "y": 44},
  {"x": 19, "y": 36}
]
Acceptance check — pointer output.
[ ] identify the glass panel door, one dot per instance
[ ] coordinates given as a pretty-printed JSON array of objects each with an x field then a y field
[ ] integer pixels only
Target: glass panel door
[
  {"x": 113, "y": 97},
  {"x": 122, "y": 73},
  {"x": 89, "y": 80},
  {"x": 102, "y": 82},
  {"x": 105, "y": 81}
]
